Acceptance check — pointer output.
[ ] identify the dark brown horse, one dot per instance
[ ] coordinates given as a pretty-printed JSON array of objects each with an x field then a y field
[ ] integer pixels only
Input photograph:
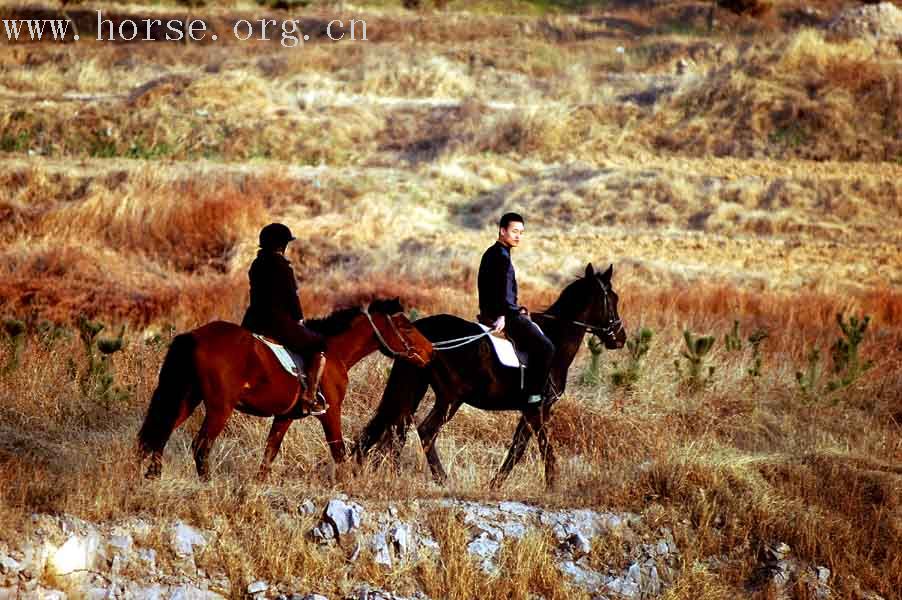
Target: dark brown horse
[
  {"x": 226, "y": 368},
  {"x": 470, "y": 373}
]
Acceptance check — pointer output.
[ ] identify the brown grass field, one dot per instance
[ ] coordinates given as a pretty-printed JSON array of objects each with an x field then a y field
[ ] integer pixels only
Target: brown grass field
[{"x": 763, "y": 184}]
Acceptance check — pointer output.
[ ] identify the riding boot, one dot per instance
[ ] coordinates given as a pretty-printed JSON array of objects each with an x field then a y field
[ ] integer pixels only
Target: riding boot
[{"x": 313, "y": 401}]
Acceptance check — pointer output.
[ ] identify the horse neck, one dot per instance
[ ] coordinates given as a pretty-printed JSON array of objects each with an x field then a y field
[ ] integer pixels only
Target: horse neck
[
  {"x": 567, "y": 341},
  {"x": 351, "y": 345}
]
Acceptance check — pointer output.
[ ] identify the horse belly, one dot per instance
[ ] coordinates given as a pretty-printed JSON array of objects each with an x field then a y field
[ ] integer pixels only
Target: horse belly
[{"x": 268, "y": 398}]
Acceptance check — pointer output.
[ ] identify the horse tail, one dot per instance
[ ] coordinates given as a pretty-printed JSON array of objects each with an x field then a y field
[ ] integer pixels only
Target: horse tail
[
  {"x": 177, "y": 380},
  {"x": 407, "y": 384}
]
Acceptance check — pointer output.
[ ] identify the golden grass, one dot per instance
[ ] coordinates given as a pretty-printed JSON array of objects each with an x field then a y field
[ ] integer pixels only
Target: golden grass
[{"x": 141, "y": 203}]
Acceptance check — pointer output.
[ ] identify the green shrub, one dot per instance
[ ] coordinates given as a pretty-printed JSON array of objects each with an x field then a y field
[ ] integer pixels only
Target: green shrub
[
  {"x": 696, "y": 349},
  {"x": 637, "y": 347}
]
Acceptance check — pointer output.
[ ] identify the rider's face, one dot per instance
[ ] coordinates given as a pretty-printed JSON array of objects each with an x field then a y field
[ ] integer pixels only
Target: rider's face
[{"x": 510, "y": 235}]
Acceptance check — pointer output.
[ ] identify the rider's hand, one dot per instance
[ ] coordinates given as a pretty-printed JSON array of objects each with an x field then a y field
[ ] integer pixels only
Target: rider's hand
[
  {"x": 498, "y": 325},
  {"x": 524, "y": 311}
]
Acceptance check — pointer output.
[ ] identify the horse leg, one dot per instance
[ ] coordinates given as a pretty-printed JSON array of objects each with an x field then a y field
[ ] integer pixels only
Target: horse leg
[
  {"x": 331, "y": 422},
  {"x": 277, "y": 432},
  {"x": 212, "y": 426},
  {"x": 515, "y": 453},
  {"x": 428, "y": 432},
  {"x": 537, "y": 422},
  {"x": 186, "y": 407}
]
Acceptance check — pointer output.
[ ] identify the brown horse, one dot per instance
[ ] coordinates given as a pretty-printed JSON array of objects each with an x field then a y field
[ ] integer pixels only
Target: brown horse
[{"x": 226, "y": 368}]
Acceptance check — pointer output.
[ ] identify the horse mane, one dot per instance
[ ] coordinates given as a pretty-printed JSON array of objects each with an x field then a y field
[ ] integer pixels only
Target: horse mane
[
  {"x": 340, "y": 319},
  {"x": 566, "y": 303}
]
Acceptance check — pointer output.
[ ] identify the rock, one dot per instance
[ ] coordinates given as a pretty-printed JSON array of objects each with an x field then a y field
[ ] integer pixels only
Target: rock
[
  {"x": 184, "y": 538},
  {"x": 623, "y": 586},
  {"x": 578, "y": 544},
  {"x": 401, "y": 540},
  {"x": 485, "y": 547},
  {"x": 581, "y": 575},
  {"x": 154, "y": 592},
  {"x": 307, "y": 507},
  {"x": 822, "y": 573},
  {"x": 79, "y": 553},
  {"x": 120, "y": 543},
  {"x": 189, "y": 592},
  {"x": 257, "y": 587},
  {"x": 778, "y": 551},
  {"x": 342, "y": 517},
  {"x": 9, "y": 565},
  {"x": 149, "y": 557},
  {"x": 381, "y": 552}
]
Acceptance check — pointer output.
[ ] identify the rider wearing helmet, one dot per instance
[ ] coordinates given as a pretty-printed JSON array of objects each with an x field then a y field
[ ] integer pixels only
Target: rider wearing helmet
[{"x": 275, "y": 310}]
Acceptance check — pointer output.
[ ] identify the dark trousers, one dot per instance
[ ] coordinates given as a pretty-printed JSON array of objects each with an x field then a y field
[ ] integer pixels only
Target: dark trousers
[
  {"x": 538, "y": 347},
  {"x": 289, "y": 333},
  {"x": 300, "y": 339}
]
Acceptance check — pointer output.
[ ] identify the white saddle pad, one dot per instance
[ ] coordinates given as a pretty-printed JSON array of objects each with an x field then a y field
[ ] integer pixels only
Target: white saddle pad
[
  {"x": 281, "y": 353},
  {"x": 504, "y": 349}
]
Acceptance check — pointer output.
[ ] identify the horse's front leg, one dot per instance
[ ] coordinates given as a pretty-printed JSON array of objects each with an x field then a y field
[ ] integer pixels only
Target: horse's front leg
[
  {"x": 334, "y": 388},
  {"x": 515, "y": 453},
  {"x": 277, "y": 432},
  {"x": 538, "y": 423},
  {"x": 428, "y": 432}
]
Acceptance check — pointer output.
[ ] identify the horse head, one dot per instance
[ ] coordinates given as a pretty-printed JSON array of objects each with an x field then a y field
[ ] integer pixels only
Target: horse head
[
  {"x": 398, "y": 338},
  {"x": 601, "y": 313}
]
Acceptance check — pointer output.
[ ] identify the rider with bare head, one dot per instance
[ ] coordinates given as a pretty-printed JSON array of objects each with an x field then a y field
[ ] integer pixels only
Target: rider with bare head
[{"x": 498, "y": 307}]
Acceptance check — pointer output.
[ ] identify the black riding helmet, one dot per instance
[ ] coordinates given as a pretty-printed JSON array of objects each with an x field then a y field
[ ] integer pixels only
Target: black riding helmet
[{"x": 275, "y": 235}]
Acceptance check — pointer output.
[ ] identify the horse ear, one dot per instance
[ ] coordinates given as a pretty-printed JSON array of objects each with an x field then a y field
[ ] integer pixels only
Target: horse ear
[
  {"x": 590, "y": 270},
  {"x": 606, "y": 276}
]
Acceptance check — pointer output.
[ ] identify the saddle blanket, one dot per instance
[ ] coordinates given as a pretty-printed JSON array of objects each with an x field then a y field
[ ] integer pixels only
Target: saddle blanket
[
  {"x": 290, "y": 361},
  {"x": 505, "y": 351}
]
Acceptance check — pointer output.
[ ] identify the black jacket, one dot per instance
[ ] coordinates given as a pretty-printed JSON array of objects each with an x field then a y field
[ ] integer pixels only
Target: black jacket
[
  {"x": 497, "y": 284},
  {"x": 274, "y": 295}
]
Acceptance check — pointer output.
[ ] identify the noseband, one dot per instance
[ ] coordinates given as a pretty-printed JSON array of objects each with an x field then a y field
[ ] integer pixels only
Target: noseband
[{"x": 409, "y": 352}]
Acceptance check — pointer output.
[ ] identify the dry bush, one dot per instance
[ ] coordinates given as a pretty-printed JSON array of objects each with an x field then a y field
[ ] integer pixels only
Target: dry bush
[{"x": 806, "y": 99}]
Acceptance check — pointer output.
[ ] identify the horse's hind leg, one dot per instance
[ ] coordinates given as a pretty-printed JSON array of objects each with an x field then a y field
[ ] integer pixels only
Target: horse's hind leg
[
  {"x": 277, "y": 432},
  {"x": 212, "y": 426},
  {"x": 428, "y": 432},
  {"x": 187, "y": 405},
  {"x": 518, "y": 447}
]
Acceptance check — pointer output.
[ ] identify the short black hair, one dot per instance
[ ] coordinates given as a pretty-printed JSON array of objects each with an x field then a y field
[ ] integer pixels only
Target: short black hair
[{"x": 509, "y": 218}]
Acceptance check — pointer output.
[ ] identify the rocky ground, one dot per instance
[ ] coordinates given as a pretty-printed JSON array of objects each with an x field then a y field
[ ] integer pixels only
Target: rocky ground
[{"x": 67, "y": 557}]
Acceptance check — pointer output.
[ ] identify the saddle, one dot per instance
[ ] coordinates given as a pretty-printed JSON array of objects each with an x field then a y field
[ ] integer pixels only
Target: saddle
[
  {"x": 508, "y": 355},
  {"x": 292, "y": 362}
]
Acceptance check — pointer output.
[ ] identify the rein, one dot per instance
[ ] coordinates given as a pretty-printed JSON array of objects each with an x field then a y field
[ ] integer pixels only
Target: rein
[{"x": 408, "y": 351}]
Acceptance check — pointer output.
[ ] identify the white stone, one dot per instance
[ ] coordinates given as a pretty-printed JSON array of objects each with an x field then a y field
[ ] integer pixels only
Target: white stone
[
  {"x": 257, "y": 587},
  {"x": 381, "y": 552},
  {"x": 582, "y": 576},
  {"x": 343, "y": 516},
  {"x": 9, "y": 565},
  {"x": 485, "y": 548},
  {"x": 401, "y": 540},
  {"x": 79, "y": 553},
  {"x": 121, "y": 543},
  {"x": 185, "y": 538},
  {"x": 154, "y": 592},
  {"x": 579, "y": 544}
]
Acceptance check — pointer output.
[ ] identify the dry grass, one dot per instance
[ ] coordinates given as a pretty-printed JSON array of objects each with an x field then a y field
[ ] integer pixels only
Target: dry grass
[{"x": 152, "y": 167}]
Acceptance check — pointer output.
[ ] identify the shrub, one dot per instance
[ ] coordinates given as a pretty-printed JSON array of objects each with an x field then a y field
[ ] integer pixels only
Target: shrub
[
  {"x": 696, "y": 349},
  {"x": 637, "y": 347}
]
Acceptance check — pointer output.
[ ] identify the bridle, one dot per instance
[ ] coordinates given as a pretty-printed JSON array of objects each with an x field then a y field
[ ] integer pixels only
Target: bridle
[
  {"x": 409, "y": 351},
  {"x": 609, "y": 331}
]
